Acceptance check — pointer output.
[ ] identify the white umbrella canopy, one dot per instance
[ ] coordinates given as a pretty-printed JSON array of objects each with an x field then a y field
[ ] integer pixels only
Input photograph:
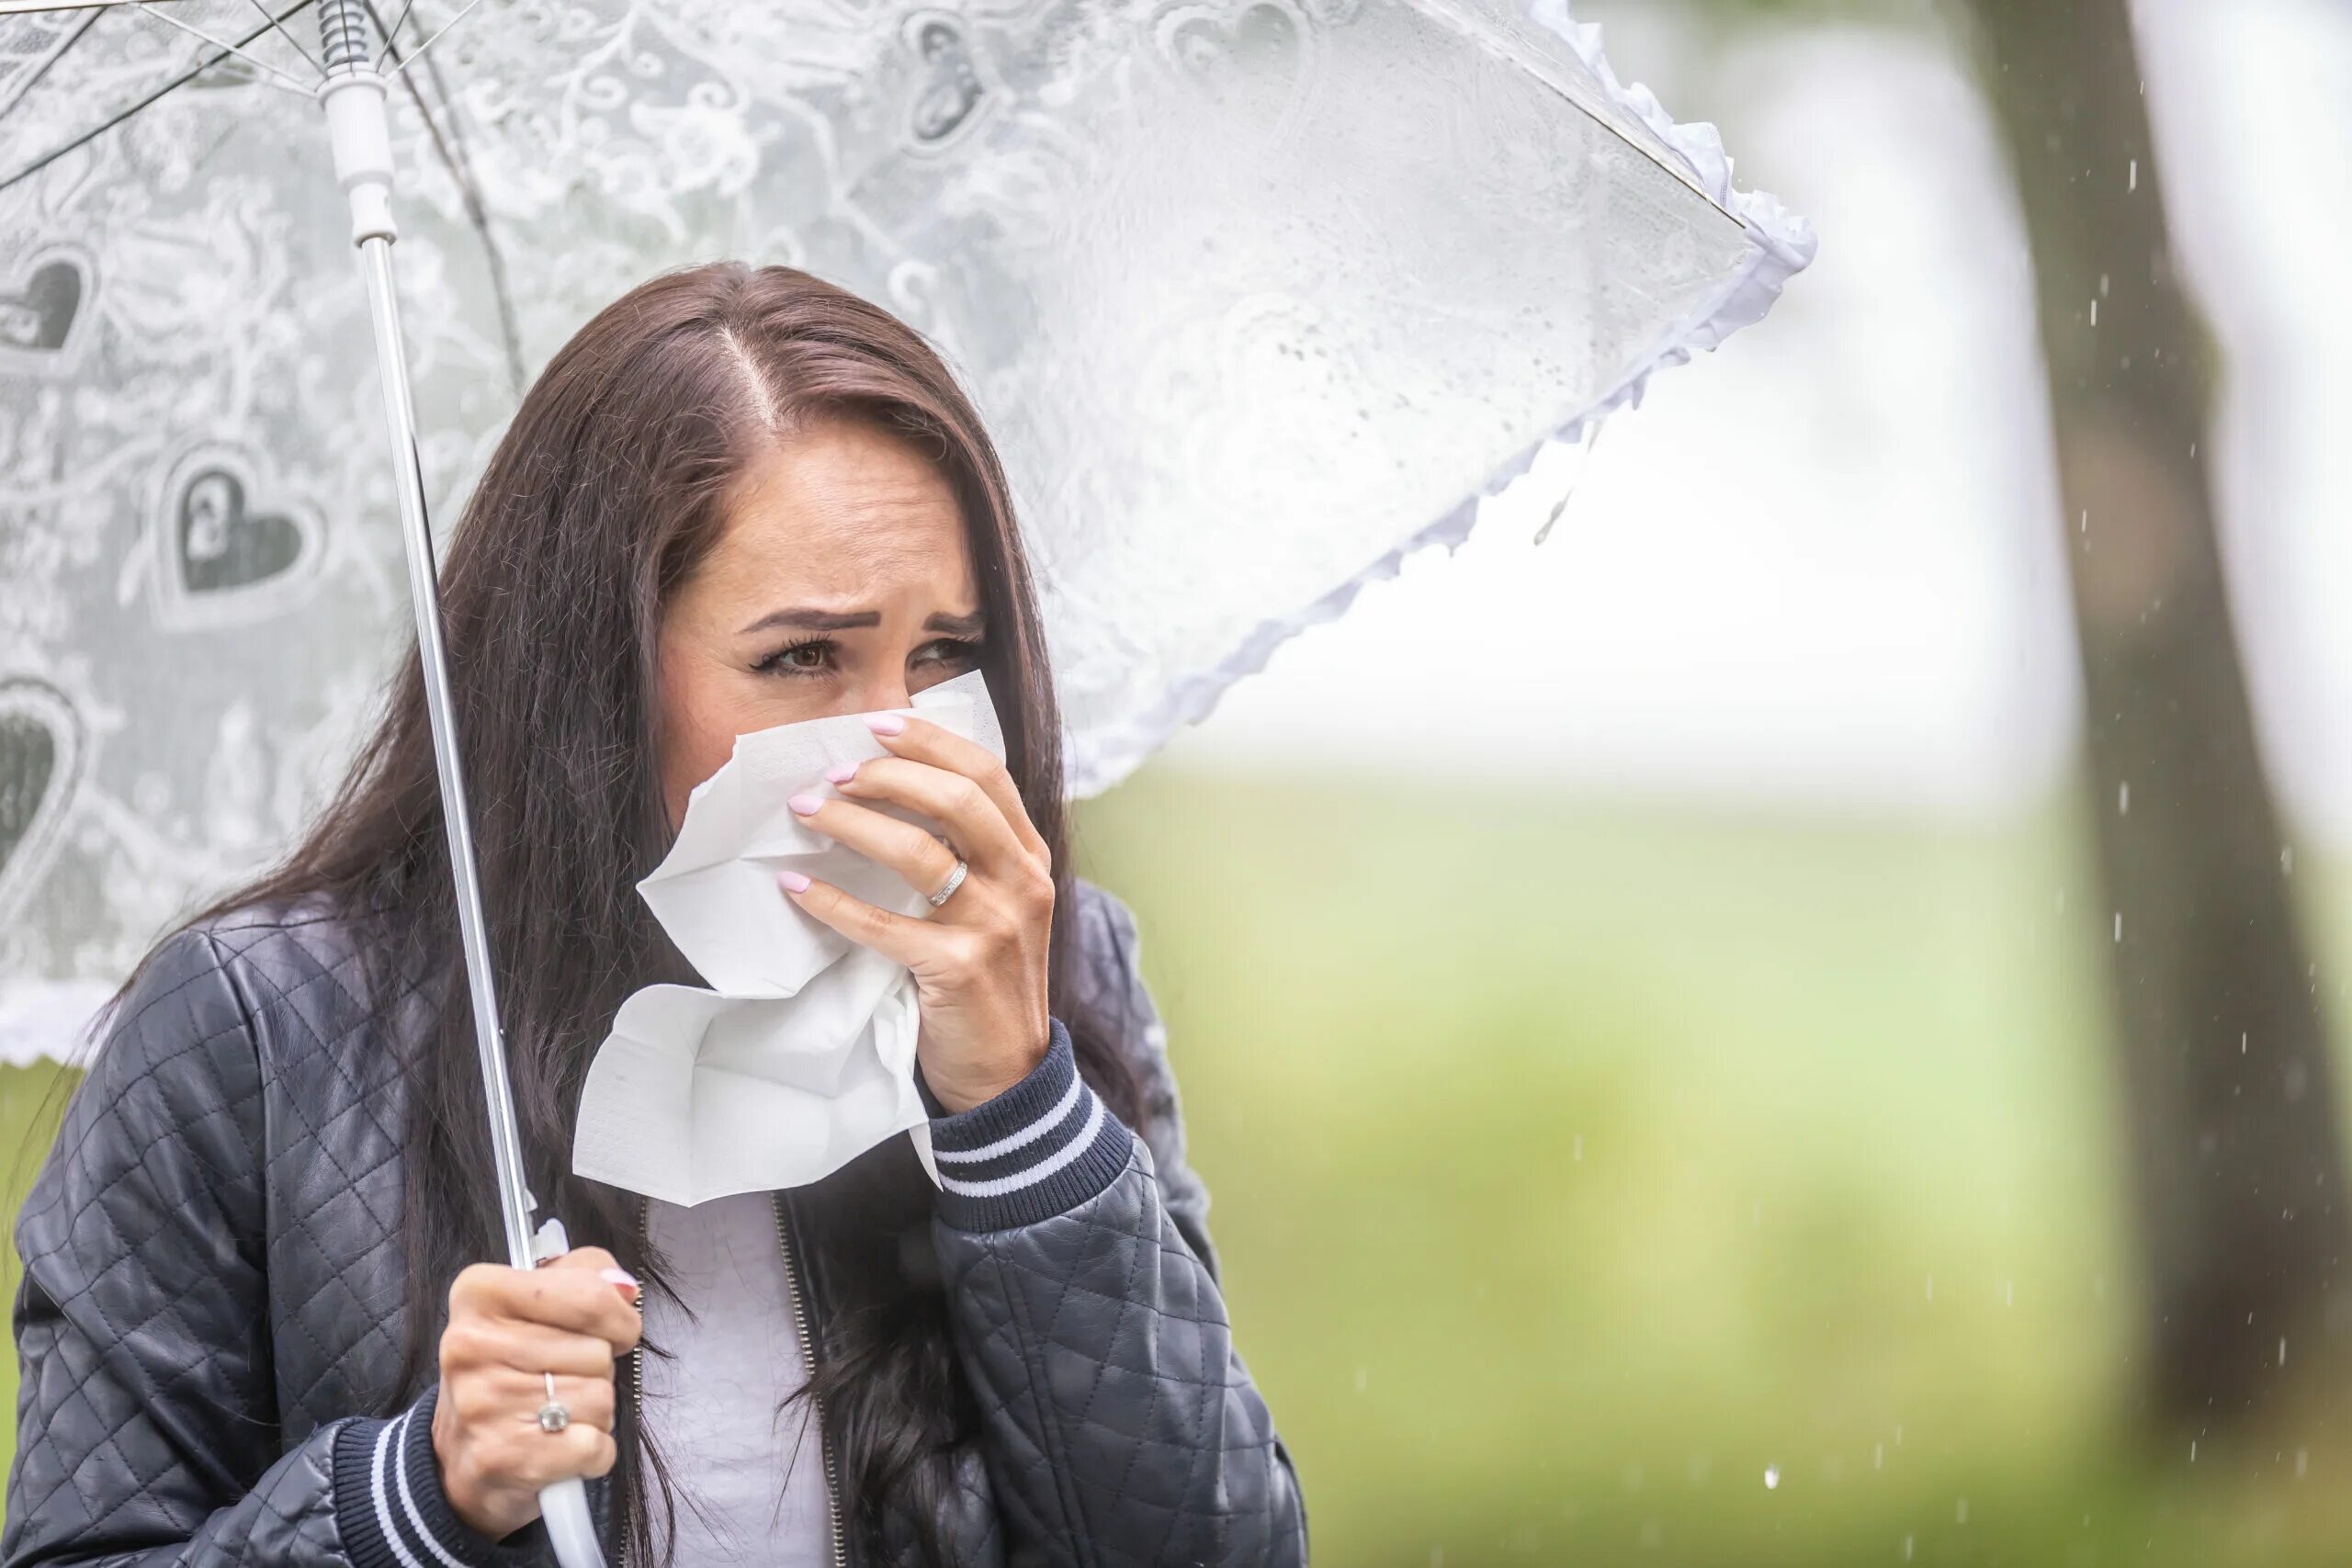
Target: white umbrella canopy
[{"x": 1257, "y": 297}]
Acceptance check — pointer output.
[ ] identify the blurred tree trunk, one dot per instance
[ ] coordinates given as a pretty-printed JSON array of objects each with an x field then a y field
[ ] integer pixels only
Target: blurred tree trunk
[{"x": 2237, "y": 1172}]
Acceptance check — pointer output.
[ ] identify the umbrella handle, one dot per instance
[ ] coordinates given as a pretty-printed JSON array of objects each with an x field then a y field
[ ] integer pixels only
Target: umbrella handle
[{"x": 564, "y": 1507}]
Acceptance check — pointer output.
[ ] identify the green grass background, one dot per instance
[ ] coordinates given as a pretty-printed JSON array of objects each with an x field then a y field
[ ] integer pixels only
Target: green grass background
[{"x": 1578, "y": 1163}]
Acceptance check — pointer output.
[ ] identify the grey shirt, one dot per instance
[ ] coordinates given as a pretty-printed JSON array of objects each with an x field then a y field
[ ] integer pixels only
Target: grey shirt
[{"x": 747, "y": 1468}]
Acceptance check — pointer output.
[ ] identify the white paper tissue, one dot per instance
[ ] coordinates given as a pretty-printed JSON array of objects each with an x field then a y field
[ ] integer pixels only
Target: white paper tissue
[{"x": 801, "y": 1055}]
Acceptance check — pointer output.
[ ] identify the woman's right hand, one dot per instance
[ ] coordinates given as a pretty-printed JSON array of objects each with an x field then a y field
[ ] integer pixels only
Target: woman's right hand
[{"x": 508, "y": 1327}]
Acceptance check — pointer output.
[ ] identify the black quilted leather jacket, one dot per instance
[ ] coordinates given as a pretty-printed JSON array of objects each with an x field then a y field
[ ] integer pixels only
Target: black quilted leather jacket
[{"x": 213, "y": 1283}]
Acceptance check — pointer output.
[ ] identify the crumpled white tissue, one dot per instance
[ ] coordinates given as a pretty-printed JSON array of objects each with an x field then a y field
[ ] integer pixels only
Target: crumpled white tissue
[{"x": 801, "y": 1055}]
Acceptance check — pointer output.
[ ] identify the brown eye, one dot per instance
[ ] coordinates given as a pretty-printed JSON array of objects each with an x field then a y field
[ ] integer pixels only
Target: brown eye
[
  {"x": 811, "y": 658},
  {"x": 949, "y": 650}
]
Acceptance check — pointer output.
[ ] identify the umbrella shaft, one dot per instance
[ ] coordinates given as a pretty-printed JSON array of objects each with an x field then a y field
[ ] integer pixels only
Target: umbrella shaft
[{"x": 425, "y": 598}]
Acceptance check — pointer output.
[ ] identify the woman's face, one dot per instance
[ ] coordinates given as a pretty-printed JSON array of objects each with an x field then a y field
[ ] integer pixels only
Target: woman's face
[{"x": 840, "y": 582}]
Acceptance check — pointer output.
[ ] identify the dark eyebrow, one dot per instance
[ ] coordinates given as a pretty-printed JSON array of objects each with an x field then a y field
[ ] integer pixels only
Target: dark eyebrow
[
  {"x": 811, "y": 620},
  {"x": 814, "y": 620},
  {"x": 969, "y": 625}
]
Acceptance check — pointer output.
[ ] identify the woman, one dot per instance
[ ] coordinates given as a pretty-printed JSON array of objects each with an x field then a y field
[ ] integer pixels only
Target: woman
[{"x": 251, "y": 1325}]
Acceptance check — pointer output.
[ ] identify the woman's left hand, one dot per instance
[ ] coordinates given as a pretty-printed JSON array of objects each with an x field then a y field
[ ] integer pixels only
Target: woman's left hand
[{"x": 979, "y": 959}]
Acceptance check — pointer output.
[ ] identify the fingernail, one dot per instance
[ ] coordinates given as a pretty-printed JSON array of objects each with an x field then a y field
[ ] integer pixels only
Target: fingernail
[
  {"x": 621, "y": 1280},
  {"x": 803, "y": 805},
  {"x": 842, "y": 775},
  {"x": 885, "y": 723},
  {"x": 793, "y": 881}
]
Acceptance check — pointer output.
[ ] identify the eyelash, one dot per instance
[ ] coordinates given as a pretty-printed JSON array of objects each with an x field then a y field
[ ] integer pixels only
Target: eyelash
[{"x": 958, "y": 651}]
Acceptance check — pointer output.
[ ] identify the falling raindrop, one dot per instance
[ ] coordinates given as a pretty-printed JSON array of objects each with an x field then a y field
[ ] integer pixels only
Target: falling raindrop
[
  {"x": 2192, "y": 1450},
  {"x": 1878, "y": 1456},
  {"x": 1907, "y": 1548},
  {"x": 2119, "y": 925},
  {"x": 1772, "y": 1477},
  {"x": 2302, "y": 1462},
  {"x": 1931, "y": 1287},
  {"x": 2094, "y": 313},
  {"x": 2123, "y": 799},
  {"x": 2135, "y": 174},
  {"x": 2286, "y": 861},
  {"x": 2282, "y": 1349},
  {"x": 1960, "y": 1515},
  {"x": 2008, "y": 1293}
]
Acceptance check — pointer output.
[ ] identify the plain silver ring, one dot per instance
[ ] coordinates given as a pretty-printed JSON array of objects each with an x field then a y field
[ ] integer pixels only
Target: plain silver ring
[{"x": 955, "y": 880}]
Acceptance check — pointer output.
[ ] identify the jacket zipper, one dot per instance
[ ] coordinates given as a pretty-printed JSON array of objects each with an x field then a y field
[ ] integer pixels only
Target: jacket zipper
[
  {"x": 636, "y": 1379},
  {"x": 808, "y": 1360}
]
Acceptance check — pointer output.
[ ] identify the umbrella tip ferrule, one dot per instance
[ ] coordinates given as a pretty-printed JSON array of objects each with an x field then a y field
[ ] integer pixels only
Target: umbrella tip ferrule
[{"x": 361, "y": 136}]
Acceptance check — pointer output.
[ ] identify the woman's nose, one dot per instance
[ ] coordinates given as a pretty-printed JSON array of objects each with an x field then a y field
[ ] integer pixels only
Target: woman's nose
[{"x": 874, "y": 696}]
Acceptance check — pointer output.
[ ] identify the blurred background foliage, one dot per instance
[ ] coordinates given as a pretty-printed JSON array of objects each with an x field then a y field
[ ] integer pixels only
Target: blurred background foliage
[
  {"x": 1609, "y": 1172},
  {"x": 1605, "y": 1183}
]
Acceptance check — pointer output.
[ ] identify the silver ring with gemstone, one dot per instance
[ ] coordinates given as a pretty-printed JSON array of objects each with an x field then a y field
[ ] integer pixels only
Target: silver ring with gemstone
[
  {"x": 552, "y": 1416},
  {"x": 955, "y": 880}
]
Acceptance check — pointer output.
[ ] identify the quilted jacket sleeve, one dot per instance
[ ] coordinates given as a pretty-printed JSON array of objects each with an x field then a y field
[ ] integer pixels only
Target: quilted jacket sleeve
[
  {"x": 147, "y": 1428},
  {"x": 1121, "y": 1424}
]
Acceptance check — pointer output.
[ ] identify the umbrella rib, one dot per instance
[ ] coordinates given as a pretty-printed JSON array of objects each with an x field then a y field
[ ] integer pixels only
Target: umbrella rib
[
  {"x": 1445, "y": 12},
  {"x": 147, "y": 8},
  {"x": 418, "y": 53},
  {"x": 291, "y": 41},
  {"x": 29, "y": 7},
  {"x": 452, "y": 152},
  {"x": 185, "y": 77}
]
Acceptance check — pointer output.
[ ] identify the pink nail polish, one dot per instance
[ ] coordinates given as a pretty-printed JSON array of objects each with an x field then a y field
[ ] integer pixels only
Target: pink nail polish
[
  {"x": 793, "y": 881},
  {"x": 842, "y": 775},
  {"x": 618, "y": 1277},
  {"x": 804, "y": 805},
  {"x": 885, "y": 723}
]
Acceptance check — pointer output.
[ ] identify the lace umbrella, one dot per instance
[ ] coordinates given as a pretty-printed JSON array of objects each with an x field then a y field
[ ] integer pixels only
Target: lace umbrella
[{"x": 1258, "y": 296}]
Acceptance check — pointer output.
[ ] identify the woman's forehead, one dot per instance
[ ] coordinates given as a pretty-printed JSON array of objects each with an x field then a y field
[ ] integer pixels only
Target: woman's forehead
[{"x": 843, "y": 509}]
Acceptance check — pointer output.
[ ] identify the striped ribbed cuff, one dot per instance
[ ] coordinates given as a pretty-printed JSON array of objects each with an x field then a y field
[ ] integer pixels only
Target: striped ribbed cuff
[
  {"x": 389, "y": 1503},
  {"x": 1039, "y": 1149}
]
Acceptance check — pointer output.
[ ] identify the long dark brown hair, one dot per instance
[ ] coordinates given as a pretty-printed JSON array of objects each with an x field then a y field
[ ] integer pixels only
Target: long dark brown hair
[{"x": 603, "y": 496}]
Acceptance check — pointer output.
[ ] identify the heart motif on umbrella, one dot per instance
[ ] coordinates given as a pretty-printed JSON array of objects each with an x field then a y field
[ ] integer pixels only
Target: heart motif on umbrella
[
  {"x": 224, "y": 557},
  {"x": 952, "y": 91},
  {"x": 41, "y": 757},
  {"x": 1224, "y": 48},
  {"x": 44, "y": 309}
]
